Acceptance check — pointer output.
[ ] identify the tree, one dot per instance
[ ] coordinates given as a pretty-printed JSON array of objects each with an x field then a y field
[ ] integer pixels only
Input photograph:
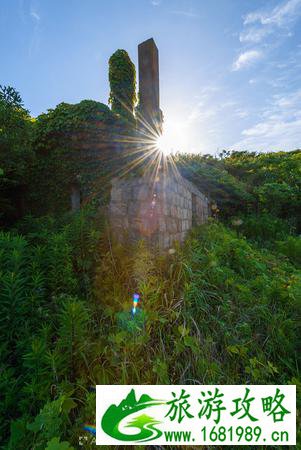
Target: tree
[{"x": 15, "y": 153}]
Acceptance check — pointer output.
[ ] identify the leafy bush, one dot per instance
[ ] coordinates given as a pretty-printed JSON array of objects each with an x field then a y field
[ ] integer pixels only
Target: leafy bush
[
  {"x": 219, "y": 310},
  {"x": 16, "y": 155},
  {"x": 274, "y": 178},
  {"x": 211, "y": 178},
  {"x": 46, "y": 342},
  {"x": 245, "y": 302},
  {"x": 262, "y": 228},
  {"x": 291, "y": 247},
  {"x": 244, "y": 182},
  {"x": 280, "y": 198},
  {"x": 62, "y": 159}
]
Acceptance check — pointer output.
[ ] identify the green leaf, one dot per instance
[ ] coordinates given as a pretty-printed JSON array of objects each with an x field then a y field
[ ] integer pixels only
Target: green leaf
[
  {"x": 191, "y": 342},
  {"x": 68, "y": 404},
  {"x": 55, "y": 444}
]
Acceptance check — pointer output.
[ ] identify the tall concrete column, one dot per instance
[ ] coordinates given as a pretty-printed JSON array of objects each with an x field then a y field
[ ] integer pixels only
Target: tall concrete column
[{"x": 149, "y": 84}]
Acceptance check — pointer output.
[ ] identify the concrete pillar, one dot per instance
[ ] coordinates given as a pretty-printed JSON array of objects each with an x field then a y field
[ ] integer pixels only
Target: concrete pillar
[{"x": 149, "y": 83}]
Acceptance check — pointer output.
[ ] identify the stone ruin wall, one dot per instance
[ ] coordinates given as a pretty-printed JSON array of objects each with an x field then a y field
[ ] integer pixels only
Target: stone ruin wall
[
  {"x": 97, "y": 152},
  {"x": 160, "y": 212}
]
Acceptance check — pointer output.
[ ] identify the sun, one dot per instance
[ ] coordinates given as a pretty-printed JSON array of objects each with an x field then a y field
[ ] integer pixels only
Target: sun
[
  {"x": 172, "y": 140},
  {"x": 164, "y": 145}
]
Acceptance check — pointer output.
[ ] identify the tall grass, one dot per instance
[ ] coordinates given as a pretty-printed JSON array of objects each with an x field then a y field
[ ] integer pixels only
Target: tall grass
[{"x": 220, "y": 310}]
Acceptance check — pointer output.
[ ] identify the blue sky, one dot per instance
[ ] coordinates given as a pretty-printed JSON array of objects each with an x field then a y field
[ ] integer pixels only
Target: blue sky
[{"x": 230, "y": 70}]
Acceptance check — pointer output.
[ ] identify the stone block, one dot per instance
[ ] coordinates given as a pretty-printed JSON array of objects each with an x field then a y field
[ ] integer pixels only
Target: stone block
[
  {"x": 166, "y": 209},
  {"x": 187, "y": 194},
  {"x": 117, "y": 223},
  {"x": 171, "y": 225},
  {"x": 116, "y": 195},
  {"x": 162, "y": 225},
  {"x": 143, "y": 193},
  {"x": 166, "y": 241},
  {"x": 185, "y": 225},
  {"x": 117, "y": 210},
  {"x": 181, "y": 190},
  {"x": 132, "y": 209}
]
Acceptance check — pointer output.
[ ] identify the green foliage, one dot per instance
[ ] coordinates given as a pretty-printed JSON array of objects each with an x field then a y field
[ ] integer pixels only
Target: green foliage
[
  {"x": 223, "y": 309},
  {"x": 291, "y": 247},
  {"x": 219, "y": 311},
  {"x": 56, "y": 444},
  {"x": 263, "y": 228},
  {"x": 248, "y": 300},
  {"x": 280, "y": 198},
  {"x": 211, "y": 178},
  {"x": 16, "y": 154},
  {"x": 50, "y": 422},
  {"x": 73, "y": 332},
  {"x": 122, "y": 77},
  {"x": 60, "y": 164},
  {"x": 274, "y": 178},
  {"x": 47, "y": 343},
  {"x": 66, "y": 118},
  {"x": 244, "y": 182},
  {"x": 10, "y": 96}
]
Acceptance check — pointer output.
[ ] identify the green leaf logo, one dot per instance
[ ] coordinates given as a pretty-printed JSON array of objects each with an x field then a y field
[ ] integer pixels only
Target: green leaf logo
[{"x": 144, "y": 423}]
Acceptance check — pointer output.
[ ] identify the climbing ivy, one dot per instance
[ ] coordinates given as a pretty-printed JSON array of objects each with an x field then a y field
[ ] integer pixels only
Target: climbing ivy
[
  {"x": 122, "y": 77},
  {"x": 69, "y": 118},
  {"x": 60, "y": 139}
]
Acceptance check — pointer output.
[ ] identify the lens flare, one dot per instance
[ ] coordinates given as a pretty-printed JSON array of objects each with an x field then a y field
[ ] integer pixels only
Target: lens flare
[
  {"x": 136, "y": 298},
  {"x": 164, "y": 145},
  {"x": 172, "y": 140}
]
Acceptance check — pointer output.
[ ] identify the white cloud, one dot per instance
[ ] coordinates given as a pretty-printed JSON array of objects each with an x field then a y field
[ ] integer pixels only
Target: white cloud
[
  {"x": 155, "y": 2},
  {"x": 289, "y": 101},
  {"x": 272, "y": 135},
  {"x": 210, "y": 106},
  {"x": 201, "y": 112},
  {"x": 188, "y": 13},
  {"x": 281, "y": 15},
  {"x": 279, "y": 127},
  {"x": 241, "y": 113},
  {"x": 254, "y": 34},
  {"x": 35, "y": 39},
  {"x": 35, "y": 15},
  {"x": 262, "y": 23},
  {"x": 246, "y": 59}
]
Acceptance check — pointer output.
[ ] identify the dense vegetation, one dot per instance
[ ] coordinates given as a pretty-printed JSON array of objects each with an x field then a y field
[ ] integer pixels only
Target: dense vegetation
[
  {"x": 56, "y": 139},
  {"x": 122, "y": 77},
  {"x": 223, "y": 309},
  {"x": 15, "y": 153}
]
